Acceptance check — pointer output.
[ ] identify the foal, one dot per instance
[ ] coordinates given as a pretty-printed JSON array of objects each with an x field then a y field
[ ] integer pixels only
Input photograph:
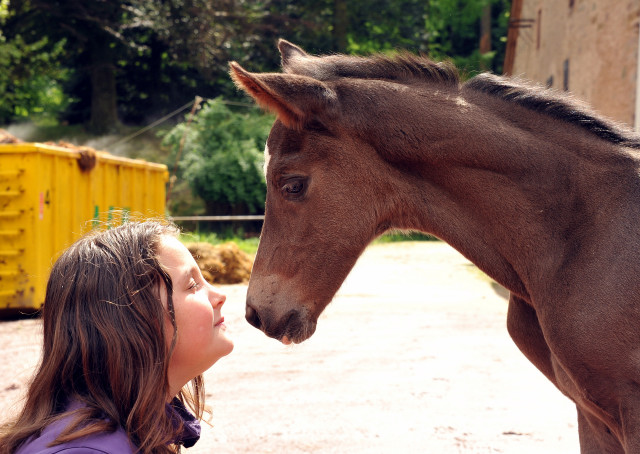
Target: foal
[{"x": 538, "y": 191}]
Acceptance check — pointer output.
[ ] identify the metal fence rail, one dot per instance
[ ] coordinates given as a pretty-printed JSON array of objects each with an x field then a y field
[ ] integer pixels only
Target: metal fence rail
[
  {"x": 248, "y": 217},
  {"x": 197, "y": 220}
]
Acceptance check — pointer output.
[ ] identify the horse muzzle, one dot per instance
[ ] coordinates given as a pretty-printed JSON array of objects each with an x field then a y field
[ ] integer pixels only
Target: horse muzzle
[{"x": 294, "y": 326}]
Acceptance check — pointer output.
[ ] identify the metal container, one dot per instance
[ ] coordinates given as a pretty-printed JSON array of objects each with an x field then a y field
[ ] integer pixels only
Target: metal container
[{"x": 50, "y": 196}]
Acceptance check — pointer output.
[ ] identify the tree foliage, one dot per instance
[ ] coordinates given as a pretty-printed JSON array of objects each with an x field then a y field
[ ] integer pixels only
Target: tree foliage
[
  {"x": 223, "y": 157},
  {"x": 30, "y": 85},
  {"x": 136, "y": 60}
]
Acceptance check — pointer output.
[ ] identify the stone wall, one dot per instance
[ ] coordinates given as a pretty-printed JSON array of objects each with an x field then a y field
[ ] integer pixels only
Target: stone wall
[{"x": 589, "y": 47}]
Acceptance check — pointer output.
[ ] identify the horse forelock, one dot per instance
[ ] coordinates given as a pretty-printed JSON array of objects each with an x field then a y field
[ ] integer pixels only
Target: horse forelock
[
  {"x": 403, "y": 67},
  {"x": 557, "y": 105}
]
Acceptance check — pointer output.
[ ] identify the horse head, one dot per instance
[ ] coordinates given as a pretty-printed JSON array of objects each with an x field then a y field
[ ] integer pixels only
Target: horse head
[{"x": 326, "y": 196}]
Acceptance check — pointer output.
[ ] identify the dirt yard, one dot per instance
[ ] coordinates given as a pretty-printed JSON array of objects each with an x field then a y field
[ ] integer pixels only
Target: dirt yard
[{"x": 413, "y": 356}]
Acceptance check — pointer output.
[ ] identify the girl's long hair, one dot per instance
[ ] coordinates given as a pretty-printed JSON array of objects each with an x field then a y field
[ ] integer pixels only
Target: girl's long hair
[{"x": 105, "y": 344}]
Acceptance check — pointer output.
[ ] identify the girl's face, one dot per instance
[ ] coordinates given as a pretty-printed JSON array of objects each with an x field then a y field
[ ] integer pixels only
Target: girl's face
[{"x": 202, "y": 338}]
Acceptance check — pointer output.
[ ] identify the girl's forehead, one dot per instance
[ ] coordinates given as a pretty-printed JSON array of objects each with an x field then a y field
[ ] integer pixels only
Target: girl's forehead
[{"x": 173, "y": 254}]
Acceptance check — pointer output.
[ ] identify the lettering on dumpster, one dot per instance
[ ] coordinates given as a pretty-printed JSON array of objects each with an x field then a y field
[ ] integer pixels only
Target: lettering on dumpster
[{"x": 44, "y": 200}]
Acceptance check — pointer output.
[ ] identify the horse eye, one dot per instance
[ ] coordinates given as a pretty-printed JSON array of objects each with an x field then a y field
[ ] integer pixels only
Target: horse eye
[{"x": 293, "y": 188}]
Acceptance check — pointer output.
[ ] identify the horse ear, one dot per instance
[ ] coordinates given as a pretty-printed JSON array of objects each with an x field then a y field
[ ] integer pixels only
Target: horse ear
[
  {"x": 289, "y": 52},
  {"x": 296, "y": 100}
]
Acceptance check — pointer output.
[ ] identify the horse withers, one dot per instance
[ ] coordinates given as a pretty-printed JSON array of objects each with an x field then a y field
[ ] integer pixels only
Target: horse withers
[{"x": 537, "y": 190}]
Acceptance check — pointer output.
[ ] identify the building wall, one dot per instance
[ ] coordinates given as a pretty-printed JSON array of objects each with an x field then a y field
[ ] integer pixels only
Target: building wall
[{"x": 589, "y": 47}]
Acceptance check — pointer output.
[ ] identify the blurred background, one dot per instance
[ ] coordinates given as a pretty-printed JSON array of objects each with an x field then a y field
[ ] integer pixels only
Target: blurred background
[{"x": 148, "y": 79}]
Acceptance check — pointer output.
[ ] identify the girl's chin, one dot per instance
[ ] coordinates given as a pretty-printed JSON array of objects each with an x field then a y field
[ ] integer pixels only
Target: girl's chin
[{"x": 228, "y": 348}]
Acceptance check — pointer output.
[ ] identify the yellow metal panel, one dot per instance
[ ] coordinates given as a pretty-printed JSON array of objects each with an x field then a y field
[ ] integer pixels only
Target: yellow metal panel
[{"x": 47, "y": 202}]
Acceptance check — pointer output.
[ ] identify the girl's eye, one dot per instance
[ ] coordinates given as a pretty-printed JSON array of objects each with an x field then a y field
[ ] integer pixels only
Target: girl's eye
[{"x": 194, "y": 285}]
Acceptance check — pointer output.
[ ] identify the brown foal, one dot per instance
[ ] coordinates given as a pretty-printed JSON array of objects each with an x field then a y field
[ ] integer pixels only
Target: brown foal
[{"x": 537, "y": 190}]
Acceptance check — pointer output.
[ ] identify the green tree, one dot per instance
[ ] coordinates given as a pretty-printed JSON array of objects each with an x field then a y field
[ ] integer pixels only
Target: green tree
[
  {"x": 90, "y": 29},
  {"x": 136, "y": 60},
  {"x": 128, "y": 54},
  {"x": 223, "y": 157},
  {"x": 453, "y": 30},
  {"x": 443, "y": 29},
  {"x": 30, "y": 83}
]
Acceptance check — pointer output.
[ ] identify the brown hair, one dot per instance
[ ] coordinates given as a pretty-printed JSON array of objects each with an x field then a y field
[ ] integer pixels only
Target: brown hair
[{"x": 105, "y": 344}]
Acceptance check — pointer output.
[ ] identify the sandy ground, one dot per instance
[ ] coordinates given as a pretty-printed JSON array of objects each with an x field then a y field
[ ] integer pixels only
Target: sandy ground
[{"x": 413, "y": 356}]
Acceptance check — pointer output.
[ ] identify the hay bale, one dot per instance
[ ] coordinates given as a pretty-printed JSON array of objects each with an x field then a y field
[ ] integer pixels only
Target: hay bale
[{"x": 222, "y": 263}]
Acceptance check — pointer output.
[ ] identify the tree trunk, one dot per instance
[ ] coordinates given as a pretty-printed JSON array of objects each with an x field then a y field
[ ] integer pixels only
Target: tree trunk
[
  {"x": 104, "y": 111},
  {"x": 485, "y": 30},
  {"x": 157, "y": 101},
  {"x": 340, "y": 25}
]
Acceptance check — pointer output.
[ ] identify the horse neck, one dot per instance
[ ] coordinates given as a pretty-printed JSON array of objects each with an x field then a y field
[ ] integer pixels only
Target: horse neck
[{"x": 512, "y": 190}]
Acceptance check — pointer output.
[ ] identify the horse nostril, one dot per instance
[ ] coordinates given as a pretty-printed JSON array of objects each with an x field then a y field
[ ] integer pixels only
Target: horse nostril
[{"x": 252, "y": 317}]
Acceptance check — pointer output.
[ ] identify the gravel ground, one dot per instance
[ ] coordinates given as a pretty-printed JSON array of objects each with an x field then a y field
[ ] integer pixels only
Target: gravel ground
[{"x": 413, "y": 356}]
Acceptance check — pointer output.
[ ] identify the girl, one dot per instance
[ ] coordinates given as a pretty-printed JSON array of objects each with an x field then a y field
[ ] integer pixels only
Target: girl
[{"x": 128, "y": 322}]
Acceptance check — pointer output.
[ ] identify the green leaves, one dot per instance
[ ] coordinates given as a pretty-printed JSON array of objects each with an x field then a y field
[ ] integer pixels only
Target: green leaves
[
  {"x": 31, "y": 85},
  {"x": 223, "y": 157},
  {"x": 162, "y": 52}
]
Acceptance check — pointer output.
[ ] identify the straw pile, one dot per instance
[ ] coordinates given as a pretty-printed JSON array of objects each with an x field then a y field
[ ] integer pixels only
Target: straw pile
[
  {"x": 88, "y": 155},
  {"x": 87, "y": 160},
  {"x": 222, "y": 263}
]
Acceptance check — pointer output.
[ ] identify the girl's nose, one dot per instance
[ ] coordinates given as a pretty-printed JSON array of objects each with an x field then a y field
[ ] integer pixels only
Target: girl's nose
[{"x": 217, "y": 299}]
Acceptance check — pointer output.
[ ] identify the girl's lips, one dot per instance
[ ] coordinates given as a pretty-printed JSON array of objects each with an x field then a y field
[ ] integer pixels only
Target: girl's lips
[{"x": 219, "y": 322}]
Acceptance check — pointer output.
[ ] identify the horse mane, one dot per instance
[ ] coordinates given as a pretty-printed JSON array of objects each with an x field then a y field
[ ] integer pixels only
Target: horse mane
[
  {"x": 554, "y": 104},
  {"x": 407, "y": 67},
  {"x": 402, "y": 66}
]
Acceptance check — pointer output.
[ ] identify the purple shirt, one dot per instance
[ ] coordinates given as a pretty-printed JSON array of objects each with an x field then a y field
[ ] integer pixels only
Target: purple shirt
[{"x": 115, "y": 442}]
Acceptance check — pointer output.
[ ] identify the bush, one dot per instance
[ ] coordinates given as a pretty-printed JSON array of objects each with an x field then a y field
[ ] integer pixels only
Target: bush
[{"x": 222, "y": 157}]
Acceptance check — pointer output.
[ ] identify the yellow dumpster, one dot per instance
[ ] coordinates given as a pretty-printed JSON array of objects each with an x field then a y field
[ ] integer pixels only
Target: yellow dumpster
[{"x": 49, "y": 196}]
